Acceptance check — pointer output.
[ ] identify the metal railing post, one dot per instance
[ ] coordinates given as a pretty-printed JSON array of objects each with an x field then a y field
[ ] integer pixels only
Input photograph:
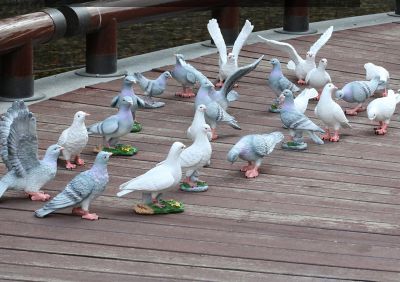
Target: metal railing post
[
  {"x": 296, "y": 18},
  {"x": 396, "y": 12}
]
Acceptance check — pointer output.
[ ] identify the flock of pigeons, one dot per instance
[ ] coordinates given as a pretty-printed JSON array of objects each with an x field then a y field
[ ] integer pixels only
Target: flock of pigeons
[{"x": 19, "y": 144}]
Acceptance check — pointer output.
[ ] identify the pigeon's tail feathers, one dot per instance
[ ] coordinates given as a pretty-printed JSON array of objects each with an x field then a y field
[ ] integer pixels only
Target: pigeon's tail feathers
[
  {"x": 232, "y": 96},
  {"x": 314, "y": 137},
  {"x": 43, "y": 212},
  {"x": 291, "y": 65},
  {"x": 311, "y": 93},
  {"x": 3, "y": 188},
  {"x": 233, "y": 123},
  {"x": 95, "y": 129},
  {"x": 114, "y": 101}
]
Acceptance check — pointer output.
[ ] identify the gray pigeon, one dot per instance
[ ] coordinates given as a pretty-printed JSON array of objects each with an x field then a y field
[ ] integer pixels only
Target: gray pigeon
[
  {"x": 252, "y": 148},
  {"x": 82, "y": 189},
  {"x": 214, "y": 112},
  {"x": 358, "y": 92},
  {"x": 297, "y": 122},
  {"x": 186, "y": 75},
  {"x": 278, "y": 82},
  {"x": 19, "y": 151},
  {"x": 154, "y": 87},
  {"x": 115, "y": 126}
]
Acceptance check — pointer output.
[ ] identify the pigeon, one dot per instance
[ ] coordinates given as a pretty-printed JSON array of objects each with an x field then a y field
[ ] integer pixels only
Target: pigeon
[
  {"x": 160, "y": 178},
  {"x": 226, "y": 94},
  {"x": 19, "y": 152},
  {"x": 382, "y": 109},
  {"x": 214, "y": 112},
  {"x": 81, "y": 190},
  {"x": 115, "y": 126},
  {"x": 318, "y": 77},
  {"x": 373, "y": 70},
  {"x": 330, "y": 113},
  {"x": 278, "y": 82},
  {"x": 74, "y": 139},
  {"x": 301, "y": 101},
  {"x": 357, "y": 92},
  {"x": 196, "y": 155},
  {"x": 296, "y": 122},
  {"x": 228, "y": 62},
  {"x": 154, "y": 87},
  {"x": 186, "y": 75},
  {"x": 197, "y": 123},
  {"x": 252, "y": 148},
  {"x": 300, "y": 66}
]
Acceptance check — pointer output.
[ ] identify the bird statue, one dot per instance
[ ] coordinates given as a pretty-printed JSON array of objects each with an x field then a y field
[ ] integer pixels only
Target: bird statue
[
  {"x": 19, "y": 152},
  {"x": 301, "y": 101},
  {"x": 81, "y": 190},
  {"x": 73, "y": 140},
  {"x": 187, "y": 76},
  {"x": 330, "y": 113},
  {"x": 164, "y": 176},
  {"x": 252, "y": 148},
  {"x": 152, "y": 88},
  {"x": 297, "y": 64},
  {"x": 297, "y": 123},
  {"x": 373, "y": 70},
  {"x": 382, "y": 109},
  {"x": 278, "y": 82},
  {"x": 197, "y": 123},
  {"x": 228, "y": 62},
  {"x": 318, "y": 77},
  {"x": 357, "y": 92},
  {"x": 194, "y": 158},
  {"x": 115, "y": 126}
]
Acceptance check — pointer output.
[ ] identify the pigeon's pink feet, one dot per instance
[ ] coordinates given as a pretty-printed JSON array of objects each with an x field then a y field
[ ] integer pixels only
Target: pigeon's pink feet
[
  {"x": 90, "y": 216},
  {"x": 78, "y": 211},
  {"x": 384, "y": 94},
  {"x": 79, "y": 161},
  {"x": 335, "y": 138},
  {"x": 247, "y": 167},
  {"x": 38, "y": 196},
  {"x": 327, "y": 135},
  {"x": 382, "y": 130},
  {"x": 301, "y": 82},
  {"x": 70, "y": 165},
  {"x": 252, "y": 173},
  {"x": 158, "y": 204},
  {"x": 355, "y": 111},
  {"x": 219, "y": 84},
  {"x": 214, "y": 134},
  {"x": 186, "y": 93},
  {"x": 188, "y": 182}
]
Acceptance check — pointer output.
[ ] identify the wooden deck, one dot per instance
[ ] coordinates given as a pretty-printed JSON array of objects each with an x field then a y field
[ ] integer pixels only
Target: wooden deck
[{"x": 329, "y": 213}]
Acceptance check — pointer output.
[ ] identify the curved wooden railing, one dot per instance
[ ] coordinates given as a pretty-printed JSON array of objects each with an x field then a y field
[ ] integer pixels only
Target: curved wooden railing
[{"x": 98, "y": 22}]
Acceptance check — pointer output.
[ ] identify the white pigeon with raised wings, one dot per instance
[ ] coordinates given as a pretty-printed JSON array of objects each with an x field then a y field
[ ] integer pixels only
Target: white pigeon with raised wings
[
  {"x": 299, "y": 65},
  {"x": 228, "y": 62}
]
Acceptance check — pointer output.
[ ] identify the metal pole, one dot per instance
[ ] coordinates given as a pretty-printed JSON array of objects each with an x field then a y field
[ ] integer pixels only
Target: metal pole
[
  {"x": 296, "y": 18},
  {"x": 396, "y": 12}
]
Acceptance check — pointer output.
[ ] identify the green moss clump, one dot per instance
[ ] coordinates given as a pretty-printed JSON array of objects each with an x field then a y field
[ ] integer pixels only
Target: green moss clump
[{"x": 122, "y": 150}]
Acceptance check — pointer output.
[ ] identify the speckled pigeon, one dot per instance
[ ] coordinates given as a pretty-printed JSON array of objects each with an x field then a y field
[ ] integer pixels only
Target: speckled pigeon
[
  {"x": 115, "y": 126},
  {"x": 74, "y": 139},
  {"x": 153, "y": 87},
  {"x": 214, "y": 113},
  {"x": 357, "y": 92},
  {"x": 164, "y": 176},
  {"x": 19, "y": 151},
  {"x": 296, "y": 122},
  {"x": 186, "y": 75},
  {"x": 252, "y": 148},
  {"x": 81, "y": 190}
]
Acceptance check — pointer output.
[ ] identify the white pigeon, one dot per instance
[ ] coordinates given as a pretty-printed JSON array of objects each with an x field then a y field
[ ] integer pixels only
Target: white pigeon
[
  {"x": 160, "y": 178},
  {"x": 196, "y": 155},
  {"x": 318, "y": 77},
  {"x": 330, "y": 113},
  {"x": 373, "y": 70},
  {"x": 299, "y": 65},
  {"x": 197, "y": 123},
  {"x": 228, "y": 62},
  {"x": 74, "y": 140},
  {"x": 382, "y": 109},
  {"x": 301, "y": 101}
]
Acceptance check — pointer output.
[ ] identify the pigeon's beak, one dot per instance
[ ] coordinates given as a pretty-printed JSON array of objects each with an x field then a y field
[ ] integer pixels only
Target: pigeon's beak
[
  {"x": 110, "y": 154},
  {"x": 87, "y": 114},
  {"x": 61, "y": 148}
]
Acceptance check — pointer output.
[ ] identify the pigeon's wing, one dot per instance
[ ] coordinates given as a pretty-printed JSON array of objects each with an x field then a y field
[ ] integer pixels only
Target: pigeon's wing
[
  {"x": 191, "y": 77},
  {"x": 143, "y": 81},
  {"x": 141, "y": 103},
  {"x": 18, "y": 138},
  {"x": 105, "y": 127},
  {"x": 240, "y": 72},
  {"x": 286, "y": 47},
  {"x": 114, "y": 101},
  {"x": 190, "y": 157},
  {"x": 298, "y": 121},
  {"x": 285, "y": 83},
  {"x": 62, "y": 140},
  {"x": 339, "y": 115},
  {"x": 80, "y": 187},
  {"x": 321, "y": 40},
  {"x": 242, "y": 37},
  {"x": 216, "y": 35},
  {"x": 265, "y": 144},
  {"x": 307, "y": 79},
  {"x": 156, "y": 179}
]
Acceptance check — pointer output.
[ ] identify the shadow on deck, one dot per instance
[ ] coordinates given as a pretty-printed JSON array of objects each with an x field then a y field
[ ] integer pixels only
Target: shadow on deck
[{"x": 331, "y": 212}]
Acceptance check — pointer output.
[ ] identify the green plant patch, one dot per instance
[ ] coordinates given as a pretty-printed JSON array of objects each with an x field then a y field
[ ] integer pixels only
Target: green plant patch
[
  {"x": 121, "y": 150},
  {"x": 136, "y": 127},
  {"x": 201, "y": 186}
]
